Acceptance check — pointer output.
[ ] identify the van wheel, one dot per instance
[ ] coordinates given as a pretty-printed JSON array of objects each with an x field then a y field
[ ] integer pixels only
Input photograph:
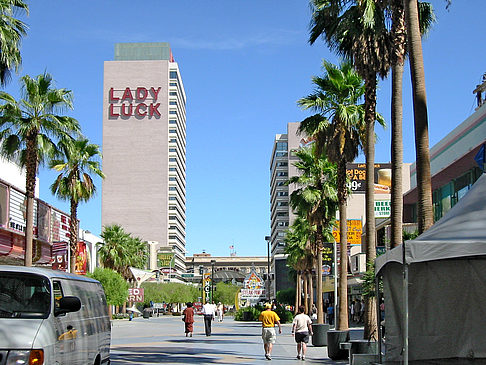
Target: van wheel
[{"x": 97, "y": 360}]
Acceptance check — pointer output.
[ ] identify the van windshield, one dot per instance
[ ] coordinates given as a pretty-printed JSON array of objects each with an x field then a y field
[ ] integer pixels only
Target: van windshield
[{"x": 24, "y": 295}]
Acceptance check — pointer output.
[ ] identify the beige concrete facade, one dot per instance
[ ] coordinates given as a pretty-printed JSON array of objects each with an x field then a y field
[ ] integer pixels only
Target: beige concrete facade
[{"x": 144, "y": 142}]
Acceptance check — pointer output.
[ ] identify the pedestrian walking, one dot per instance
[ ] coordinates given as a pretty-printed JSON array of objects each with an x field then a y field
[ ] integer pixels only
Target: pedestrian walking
[
  {"x": 220, "y": 312},
  {"x": 188, "y": 318},
  {"x": 301, "y": 328},
  {"x": 330, "y": 314},
  {"x": 268, "y": 318},
  {"x": 208, "y": 312},
  {"x": 361, "y": 312},
  {"x": 357, "y": 310}
]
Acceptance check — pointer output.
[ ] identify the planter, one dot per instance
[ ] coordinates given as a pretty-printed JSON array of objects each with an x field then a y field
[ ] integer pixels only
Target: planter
[
  {"x": 319, "y": 337},
  {"x": 334, "y": 338},
  {"x": 363, "y": 347},
  {"x": 247, "y": 316}
]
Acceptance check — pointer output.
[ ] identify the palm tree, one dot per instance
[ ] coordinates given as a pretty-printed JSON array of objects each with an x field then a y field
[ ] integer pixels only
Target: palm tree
[
  {"x": 422, "y": 154},
  {"x": 399, "y": 51},
  {"x": 119, "y": 250},
  {"x": 297, "y": 247},
  {"x": 316, "y": 199},
  {"x": 29, "y": 129},
  {"x": 339, "y": 129},
  {"x": 357, "y": 30},
  {"x": 74, "y": 183},
  {"x": 12, "y": 30}
]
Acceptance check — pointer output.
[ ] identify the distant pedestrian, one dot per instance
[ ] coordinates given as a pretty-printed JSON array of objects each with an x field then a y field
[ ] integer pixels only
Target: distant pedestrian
[
  {"x": 351, "y": 310},
  {"x": 301, "y": 328},
  {"x": 330, "y": 314},
  {"x": 220, "y": 312},
  {"x": 208, "y": 312},
  {"x": 362, "y": 310},
  {"x": 357, "y": 310},
  {"x": 268, "y": 318},
  {"x": 188, "y": 318}
]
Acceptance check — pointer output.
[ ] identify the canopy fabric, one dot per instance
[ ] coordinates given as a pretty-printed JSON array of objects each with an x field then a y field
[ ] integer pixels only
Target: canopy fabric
[
  {"x": 459, "y": 233},
  {"x": 446, "y": 288}
]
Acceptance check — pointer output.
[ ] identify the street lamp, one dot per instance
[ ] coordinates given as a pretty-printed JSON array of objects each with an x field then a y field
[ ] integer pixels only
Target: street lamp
[
  {"x": 267, "y": 238},
  {"x": 212, "y": 278}
]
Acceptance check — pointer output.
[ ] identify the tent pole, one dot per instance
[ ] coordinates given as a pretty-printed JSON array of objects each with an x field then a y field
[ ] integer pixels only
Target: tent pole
[
  {"x": 405, "y": 307},
  {"x": 378, "y": 316}
]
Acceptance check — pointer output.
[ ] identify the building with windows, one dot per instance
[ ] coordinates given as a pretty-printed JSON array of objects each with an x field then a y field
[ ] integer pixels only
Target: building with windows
[
  {"x": 144, "y": 147},
  {"x": 281, "y": 215},
  {"x": 456, "y": 162}
]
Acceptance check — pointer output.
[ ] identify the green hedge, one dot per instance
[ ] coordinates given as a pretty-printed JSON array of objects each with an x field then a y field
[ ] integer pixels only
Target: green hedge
[{"x": 285, "y": 315}]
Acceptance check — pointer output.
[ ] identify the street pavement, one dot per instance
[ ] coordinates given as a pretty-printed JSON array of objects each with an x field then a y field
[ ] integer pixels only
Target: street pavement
[{"x": 161, "y": 340}]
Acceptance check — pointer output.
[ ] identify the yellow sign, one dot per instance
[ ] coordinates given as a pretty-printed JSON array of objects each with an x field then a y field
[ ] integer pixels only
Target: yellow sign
[
  {"x": 354, "y": 232},
  {"x": 164, "y": 259}
]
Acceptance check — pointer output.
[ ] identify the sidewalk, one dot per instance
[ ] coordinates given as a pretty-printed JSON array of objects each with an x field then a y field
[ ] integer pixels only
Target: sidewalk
[{"x": 161, "y": 340}]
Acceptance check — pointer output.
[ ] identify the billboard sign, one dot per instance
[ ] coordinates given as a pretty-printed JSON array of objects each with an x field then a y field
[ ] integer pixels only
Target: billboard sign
[
  {"x": 327, "y": 258},
  {"x": 355, "y": 229},
  {"x": 253, "y": 286},
  {"x": 356, "y": 173},
  {"x": 164, "y": 259},
  {"x": 135, "y": 295},
  {"x": 382, "y": 208}
]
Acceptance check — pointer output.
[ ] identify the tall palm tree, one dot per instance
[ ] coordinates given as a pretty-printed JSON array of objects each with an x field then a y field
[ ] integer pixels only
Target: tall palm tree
[
  {"x": 338, "y": 128},
  {"x": 316, "y": 199},
  {"x": 74, "y": 183},
  {"x": 422, "y": 153},
  {"x": 29, "y": 130},
  {"x": 399, "y": 52},
  {"x": 12, "y": 30},
  {"x": 357, "y": 30}
]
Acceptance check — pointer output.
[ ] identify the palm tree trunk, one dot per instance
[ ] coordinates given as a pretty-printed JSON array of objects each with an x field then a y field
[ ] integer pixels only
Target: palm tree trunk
[
  {"x": 399, "y": 42},
  {"x": 311, "y": 291},
  {"x": 30, "y": 174},
  {"x": 320, "y": 313},
  {"x": 297, "y": 293},
  {"x": 73, "y": 235},
  {"x": 370, "y": 116},
  {"x": 306, "y": 293},
  {"x": 342, "y": 309},
  {"x": 422, "y": 154}
]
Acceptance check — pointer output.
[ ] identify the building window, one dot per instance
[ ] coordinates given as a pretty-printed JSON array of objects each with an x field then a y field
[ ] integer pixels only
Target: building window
[
  {"x": 172, "y": 140},
  {"x": 282, "y": 146},
  {"x": 172, "y": 130},
  {"x": 172, "y": 198},
  {"x": 172, "y": 102},
  {"x": 173, "y": 112},
  {"x": 172, "y": 178},
  {"x": 172, "y": 159},
  {"x": 172, "y": 149},
  {"x": 172, "y": 83},
  {"x": 172, "y": 93},
  {"x": 281, "y": 183},
  {"x": 282, "y": 164},
  {"x": 172, "y": 169},
  {"x": 281, "y": 154},
  {"x": 173, "y": 75},
  {"x": 283, "y": 204},
  {"x": 282, "y": 173},
  {"x": 172, "y": 121}
]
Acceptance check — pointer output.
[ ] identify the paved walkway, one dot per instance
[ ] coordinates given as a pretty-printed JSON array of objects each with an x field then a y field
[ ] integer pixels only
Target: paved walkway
[{"x": 161, "y": 340}]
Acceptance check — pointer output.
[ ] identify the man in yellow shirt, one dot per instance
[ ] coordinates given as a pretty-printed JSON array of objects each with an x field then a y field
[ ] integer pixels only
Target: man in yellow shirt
[{"x": 268, "y": 318}]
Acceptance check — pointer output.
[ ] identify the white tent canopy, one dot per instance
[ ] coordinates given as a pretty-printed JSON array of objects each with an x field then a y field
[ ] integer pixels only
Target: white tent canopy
[{"x": 446, "y": 286}]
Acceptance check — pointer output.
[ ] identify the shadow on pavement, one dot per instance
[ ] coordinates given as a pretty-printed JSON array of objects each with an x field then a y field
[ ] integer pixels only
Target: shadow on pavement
[{"x": 163, "y": 355}]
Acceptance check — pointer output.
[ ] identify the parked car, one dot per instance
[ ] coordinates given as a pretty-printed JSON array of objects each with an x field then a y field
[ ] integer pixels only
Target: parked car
[{"x": 51, "y": 317}]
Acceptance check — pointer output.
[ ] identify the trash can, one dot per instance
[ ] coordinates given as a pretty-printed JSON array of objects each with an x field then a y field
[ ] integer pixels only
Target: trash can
[
  {"x": 319, "y": 338},
  {"x": 247, "y": 316},
  {"x": 146, "y": 313}
]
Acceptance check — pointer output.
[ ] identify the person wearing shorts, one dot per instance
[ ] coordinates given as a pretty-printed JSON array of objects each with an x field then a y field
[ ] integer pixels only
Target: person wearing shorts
[
  {"x": 268, "y": 318},
  {"x": 301, "y": 328}
]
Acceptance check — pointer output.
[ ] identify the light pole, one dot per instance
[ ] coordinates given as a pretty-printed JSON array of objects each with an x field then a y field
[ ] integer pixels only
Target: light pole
[
  {"x": 267, "y": 238},
  {"x": 212, "y": 279}
]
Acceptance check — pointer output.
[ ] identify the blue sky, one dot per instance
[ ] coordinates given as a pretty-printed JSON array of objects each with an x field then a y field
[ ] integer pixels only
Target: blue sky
[{"x": 244, "y": 64}]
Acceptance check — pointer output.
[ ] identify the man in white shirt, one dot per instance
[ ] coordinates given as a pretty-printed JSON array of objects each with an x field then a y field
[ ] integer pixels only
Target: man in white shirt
[
  {"x": 301, "y": 328},
  {"x": 208, "y": 310}
]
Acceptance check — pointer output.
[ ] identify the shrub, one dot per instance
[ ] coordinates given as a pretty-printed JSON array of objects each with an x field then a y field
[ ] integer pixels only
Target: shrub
[
  {"x": 254, "y": 313},
  {"x": 285, "y": 315}
]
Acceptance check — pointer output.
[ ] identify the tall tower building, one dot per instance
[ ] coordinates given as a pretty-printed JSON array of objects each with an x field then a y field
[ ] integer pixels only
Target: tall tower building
[
  {"x": 144, "y": 146},
  {"x": 281, "y": 215}
]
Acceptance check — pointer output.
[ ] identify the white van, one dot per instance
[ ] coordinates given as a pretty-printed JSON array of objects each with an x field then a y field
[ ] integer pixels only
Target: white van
[{"x": 50, "y": 317}]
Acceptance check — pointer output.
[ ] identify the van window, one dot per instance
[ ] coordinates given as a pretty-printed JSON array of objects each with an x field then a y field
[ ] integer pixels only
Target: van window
[
  {"x": 57, "y": 290},
  {"x": 24, "y": 295}
]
